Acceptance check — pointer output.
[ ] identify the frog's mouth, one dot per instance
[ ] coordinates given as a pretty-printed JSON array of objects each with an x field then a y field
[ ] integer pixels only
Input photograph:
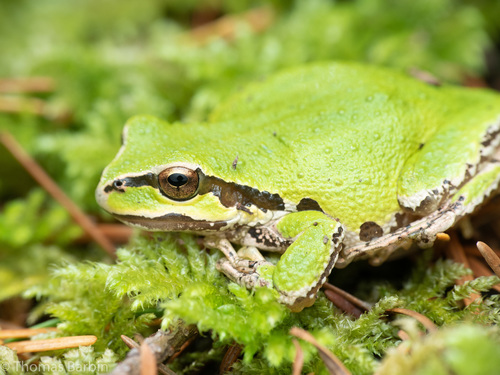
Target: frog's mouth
[{"x": 172, "y": 222}]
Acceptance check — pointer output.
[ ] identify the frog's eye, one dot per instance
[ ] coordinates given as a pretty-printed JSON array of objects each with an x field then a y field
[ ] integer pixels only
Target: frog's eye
[{"x": 178, "y": 183}]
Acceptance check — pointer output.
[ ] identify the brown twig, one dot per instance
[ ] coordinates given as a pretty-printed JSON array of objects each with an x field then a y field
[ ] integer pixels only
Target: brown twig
[
  {"x": 163, "y": 345},
  {"x": 456, "y": 252},
  {"x": 425, "y": 321},
  {"x": 230, "y": 357},
  {"x": 116, "y": 233},
  {"x": 298, "y": 363},
  {"x": 332, "y": 363},
  {"x": 28, "y": 84},
  {"x": 403, "y": 335},
  {"x": 424, "y": 76},
  {"x": 55, "y": 191},
  {"x": 148, "y": 360},
  {"x": 182, "y": 348},
  {"x": 129, "y": 342},
  {"x": 24, "y": 332},
  {"x": 258, "y": 19},
  {"x": 51, "y": 344},
  {"x": 343, "y": 304},
  {"x": 489, "y": 255},
  {"x": 346, "y": 301},
  {"x": 473, "y": 250}
]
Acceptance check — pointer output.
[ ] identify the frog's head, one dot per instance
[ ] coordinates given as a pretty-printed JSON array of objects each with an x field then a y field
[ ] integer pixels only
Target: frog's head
[{"x": 158, "y": 181}]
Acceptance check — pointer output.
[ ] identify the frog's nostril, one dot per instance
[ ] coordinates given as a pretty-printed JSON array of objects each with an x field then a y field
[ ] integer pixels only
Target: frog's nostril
[{"x": 117, "y": 185}]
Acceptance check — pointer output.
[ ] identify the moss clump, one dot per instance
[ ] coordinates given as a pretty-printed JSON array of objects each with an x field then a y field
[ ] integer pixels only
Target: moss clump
[
  {"x": 171, "y": 276},
  {"x": 463, "y": 350},
  {"x": 112, "y": 60}
]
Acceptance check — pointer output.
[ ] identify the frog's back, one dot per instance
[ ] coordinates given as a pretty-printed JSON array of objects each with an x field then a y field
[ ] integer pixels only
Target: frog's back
[{"x": 339, "y": 134}]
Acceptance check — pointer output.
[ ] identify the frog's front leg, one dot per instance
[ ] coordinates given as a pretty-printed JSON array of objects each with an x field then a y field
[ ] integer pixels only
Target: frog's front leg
[
  {"x": 240, "y": 261},
  {"x": 304, "y": 266}
]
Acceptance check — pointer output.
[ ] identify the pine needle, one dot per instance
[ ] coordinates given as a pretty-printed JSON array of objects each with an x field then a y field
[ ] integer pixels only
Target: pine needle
[{"x": 51, "y": 344}]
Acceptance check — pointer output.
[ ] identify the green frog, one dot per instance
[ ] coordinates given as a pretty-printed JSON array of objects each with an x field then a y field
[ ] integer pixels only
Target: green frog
[{"x": 324, "y": 163}]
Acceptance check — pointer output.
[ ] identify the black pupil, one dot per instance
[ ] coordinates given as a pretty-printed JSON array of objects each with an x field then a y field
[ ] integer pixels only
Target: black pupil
[{"x": 177, "y": 179}]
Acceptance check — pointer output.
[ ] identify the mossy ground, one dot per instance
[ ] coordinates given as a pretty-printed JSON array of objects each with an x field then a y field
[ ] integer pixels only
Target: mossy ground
[{"x": 107, "y": 61}]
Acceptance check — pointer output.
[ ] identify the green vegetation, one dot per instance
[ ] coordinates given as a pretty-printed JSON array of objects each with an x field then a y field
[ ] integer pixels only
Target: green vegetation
[{"x": 110, "y": 60}]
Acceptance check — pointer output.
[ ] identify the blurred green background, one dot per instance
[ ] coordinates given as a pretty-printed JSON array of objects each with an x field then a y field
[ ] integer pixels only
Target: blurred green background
[
  {"x": 72, "y": 73},
  {"x": 108, "y": 60}
]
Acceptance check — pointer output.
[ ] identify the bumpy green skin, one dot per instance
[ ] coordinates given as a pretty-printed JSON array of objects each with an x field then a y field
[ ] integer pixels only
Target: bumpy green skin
[{"x": 344, "y": 135}]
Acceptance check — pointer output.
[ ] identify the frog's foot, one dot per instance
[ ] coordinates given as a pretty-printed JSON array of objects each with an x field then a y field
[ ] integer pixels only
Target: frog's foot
[
  {"x": 423, "y": 231},
  {"x": 245, "y": 267},
  {"x": 236, "y": 260},
  {"x": 301, "y": 270},
  {"x": 249, "y": 278}
]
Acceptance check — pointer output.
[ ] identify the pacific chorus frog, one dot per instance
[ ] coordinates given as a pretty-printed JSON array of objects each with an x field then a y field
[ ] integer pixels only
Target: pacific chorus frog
[{"x": 325, "y": 163}]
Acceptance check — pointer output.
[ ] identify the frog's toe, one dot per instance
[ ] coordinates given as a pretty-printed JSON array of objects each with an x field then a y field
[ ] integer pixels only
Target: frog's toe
[
  {"x": 250, "y": 252},
  {"x": 250, "y": 277},
  {"x": 298, "y": 304}
]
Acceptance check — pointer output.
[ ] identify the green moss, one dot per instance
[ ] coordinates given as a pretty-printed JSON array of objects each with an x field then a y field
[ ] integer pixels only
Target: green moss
[
  {"x": 107, "y": 300},
  {"x": 112, "y": 60},
  {"x": 462, "y": 350},
  {"x": 33, "y": 232},
  {"x": 81, "y": 361}
]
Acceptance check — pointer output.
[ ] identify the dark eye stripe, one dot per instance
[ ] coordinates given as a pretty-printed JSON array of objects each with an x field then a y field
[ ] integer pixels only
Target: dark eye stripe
[
  {"x": 229, "y": 193},
  {"x": 148, "y": 179}
]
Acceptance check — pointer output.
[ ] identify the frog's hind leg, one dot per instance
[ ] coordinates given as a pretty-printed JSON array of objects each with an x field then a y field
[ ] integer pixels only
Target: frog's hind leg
[
  {"x": 437, "y": 186},
  {"x": 423, "y": 231},
  {"x": 431, "y": 176}
]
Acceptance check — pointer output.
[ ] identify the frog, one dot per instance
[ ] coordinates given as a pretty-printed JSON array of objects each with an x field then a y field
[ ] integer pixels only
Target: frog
[{"x": 322, "y": 164}]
